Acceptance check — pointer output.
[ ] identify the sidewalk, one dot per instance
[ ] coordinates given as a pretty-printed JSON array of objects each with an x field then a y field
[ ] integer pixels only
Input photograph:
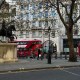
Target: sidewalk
[{"x": 34, "y": 64}]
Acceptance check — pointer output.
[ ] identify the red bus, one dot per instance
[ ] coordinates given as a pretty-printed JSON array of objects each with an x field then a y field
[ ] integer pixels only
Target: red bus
[{"x": 26, "y": 48}]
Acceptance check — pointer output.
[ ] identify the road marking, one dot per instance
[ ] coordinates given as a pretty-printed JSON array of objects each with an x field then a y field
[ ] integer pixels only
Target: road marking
[
  {"x": 62, "y": 69},
  {"x": 70, "y": 72}
]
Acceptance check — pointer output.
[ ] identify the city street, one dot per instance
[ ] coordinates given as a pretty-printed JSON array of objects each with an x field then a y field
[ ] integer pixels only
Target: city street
[
  {"x": 39, "y": 39},
  {"x": 49, "y": 74}
]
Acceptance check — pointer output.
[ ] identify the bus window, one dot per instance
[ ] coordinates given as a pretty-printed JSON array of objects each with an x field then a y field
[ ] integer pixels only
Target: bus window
[
  {"x": 33, "y": 42},
  {"x": 25, "y": 49},
  {"x": 22, "y": 49},
  {"x": 17, "y": 43},
  {"x": 22, "y": 43}
]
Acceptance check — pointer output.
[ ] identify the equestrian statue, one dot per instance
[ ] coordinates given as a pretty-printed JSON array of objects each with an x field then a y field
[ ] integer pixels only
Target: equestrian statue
[{"x": 6, "y": 31}]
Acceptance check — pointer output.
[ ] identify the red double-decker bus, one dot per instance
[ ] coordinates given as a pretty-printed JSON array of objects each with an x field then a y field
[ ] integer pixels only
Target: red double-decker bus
[{"x": 27, "y": 48}]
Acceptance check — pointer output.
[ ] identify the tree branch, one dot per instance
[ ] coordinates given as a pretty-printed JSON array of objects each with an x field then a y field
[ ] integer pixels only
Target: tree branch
[
  {"x": 58, "y": 10},
  {"x": 52, "y": 4},
  {"x": 65, "y": 8},
  {"x": 77, "y": 19},
  {"x": 71, "y": 8}
]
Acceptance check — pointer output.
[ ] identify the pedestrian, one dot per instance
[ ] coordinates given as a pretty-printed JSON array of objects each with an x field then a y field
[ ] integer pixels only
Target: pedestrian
[
  {"x": 39, "y": 52},
  {"x": 79, "y": 49},
  {"x": 43, "y": 53}
]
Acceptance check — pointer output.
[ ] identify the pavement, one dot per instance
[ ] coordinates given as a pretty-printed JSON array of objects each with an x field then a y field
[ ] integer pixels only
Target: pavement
[{"x": 34, "y": 64}]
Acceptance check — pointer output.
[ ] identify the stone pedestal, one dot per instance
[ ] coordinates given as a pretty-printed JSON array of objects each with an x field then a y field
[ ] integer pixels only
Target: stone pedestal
[{"x": 8, "y": 52}]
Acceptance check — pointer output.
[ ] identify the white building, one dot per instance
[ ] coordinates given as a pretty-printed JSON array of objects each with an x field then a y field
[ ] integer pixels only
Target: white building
[{"x": 33, "y": 17}]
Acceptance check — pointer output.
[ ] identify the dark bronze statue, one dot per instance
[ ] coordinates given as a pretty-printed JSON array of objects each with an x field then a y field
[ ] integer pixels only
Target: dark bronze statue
[{"x": 7, "y": 31}]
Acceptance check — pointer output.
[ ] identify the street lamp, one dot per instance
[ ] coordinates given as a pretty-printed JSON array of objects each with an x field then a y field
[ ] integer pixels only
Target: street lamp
[{"x": 49, "y": 54}]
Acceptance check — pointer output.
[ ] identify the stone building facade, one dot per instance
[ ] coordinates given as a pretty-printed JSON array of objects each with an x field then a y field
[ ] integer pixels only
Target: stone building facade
[{"x": 33, "y": 17}]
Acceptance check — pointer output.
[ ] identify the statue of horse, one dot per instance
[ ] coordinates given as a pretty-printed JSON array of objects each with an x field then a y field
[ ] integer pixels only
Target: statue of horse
[{"x": 7, "y": 31}]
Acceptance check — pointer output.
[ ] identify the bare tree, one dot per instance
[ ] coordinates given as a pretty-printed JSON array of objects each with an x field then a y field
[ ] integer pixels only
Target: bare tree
[{"x": 69, "y": 8}]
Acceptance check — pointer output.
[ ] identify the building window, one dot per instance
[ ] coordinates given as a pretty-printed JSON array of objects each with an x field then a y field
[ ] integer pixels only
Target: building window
[
  {"x": 33, "y": 23},
  {"x": 34, "y": 35},
  {"x": 22, "y": 7},
  {"x": 40, "y": 34},
  {"x": 75, "y": 30},
  {"x": 46, "y": 23},
  {"x": 46, "y": 34},
  {"x": 27, "y": 7},
  {"x": 28, "y": 1},
  {"x": 40, "y": 5},
  {"x": 27, "y": 34},
  {"x": 53, "y": 13},
  {"x": 33, "y": 6},
  {"x": 40, "y": 14},
  {"x": 46, "y": 14},
  {"x": 27, "y": 16},
  {"x": 66, "y": 18},
  {"x": 21, "y": 34},
  {"x": 46, "y": 5},
  {"x": 21, "y": 15},
  {"x": 34, "y": 15},
  {"x": 40, "y": 24}
]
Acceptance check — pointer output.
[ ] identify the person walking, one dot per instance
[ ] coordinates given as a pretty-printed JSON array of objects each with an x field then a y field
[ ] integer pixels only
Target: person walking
[
  {"x": 39, "y": 52},
  {"x": 78, "y": 49}
]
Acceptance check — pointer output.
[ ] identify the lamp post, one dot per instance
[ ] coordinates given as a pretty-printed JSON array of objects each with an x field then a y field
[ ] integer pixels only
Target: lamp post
[{"x": 49, "y": 54}]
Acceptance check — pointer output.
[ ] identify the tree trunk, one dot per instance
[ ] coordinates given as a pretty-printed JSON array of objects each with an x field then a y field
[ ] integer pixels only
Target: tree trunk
[{"x": 72, "y": 54}]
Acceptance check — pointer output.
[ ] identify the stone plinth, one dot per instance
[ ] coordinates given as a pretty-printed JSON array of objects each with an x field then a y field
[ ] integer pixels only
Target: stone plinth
[{"x": 8, "y": 52}]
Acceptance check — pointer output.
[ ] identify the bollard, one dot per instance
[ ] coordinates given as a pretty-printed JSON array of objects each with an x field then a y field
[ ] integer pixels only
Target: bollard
[
  {"x": 61, "y": 55},
  {"x": 65, "y": 55}
]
